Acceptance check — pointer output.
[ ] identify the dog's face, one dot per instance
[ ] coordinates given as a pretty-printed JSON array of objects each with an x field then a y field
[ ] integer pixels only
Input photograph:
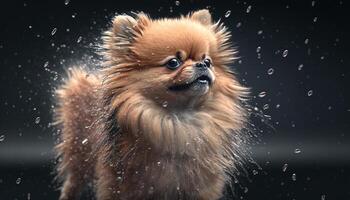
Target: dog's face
[
  {"x": 177, "y": 57},
  {"x": 176, "y": 63}
]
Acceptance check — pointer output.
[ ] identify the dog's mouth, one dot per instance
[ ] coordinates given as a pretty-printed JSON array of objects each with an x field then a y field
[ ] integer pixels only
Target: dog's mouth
[{"x": 201, "y": 81}]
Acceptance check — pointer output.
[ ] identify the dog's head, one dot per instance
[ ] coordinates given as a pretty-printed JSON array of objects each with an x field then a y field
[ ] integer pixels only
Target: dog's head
[
  {"x": 176, "y": 63},
  {"x": 168, "y": 80}
]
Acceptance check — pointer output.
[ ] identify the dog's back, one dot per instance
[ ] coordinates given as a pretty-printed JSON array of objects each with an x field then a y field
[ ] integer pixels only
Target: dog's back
[{"x": 75, "y": 97}]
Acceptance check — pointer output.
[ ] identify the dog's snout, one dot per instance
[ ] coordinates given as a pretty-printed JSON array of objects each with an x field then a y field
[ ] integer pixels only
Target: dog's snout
[{"x": 201, "y": 65}]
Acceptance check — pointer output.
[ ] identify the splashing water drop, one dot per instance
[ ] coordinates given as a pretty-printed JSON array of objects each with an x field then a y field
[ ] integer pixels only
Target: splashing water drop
[
  {"x": 306, "y": 41},
  {"x": 177, "y": 3},
  {"x": 323, "y": 197},
  {"x": 258, "y": 49},
  {"x": 37, "y": 120},
  {"x": 245, "y": 190},
  {"x": 270, "y": 71},
  {"x": 165, "y": 104},
  {"x": 66, "y": 2},
  {"x": 313, "y": 3},
  {"x": 2, "y": 138},
  {"x": 294, "y": 177},
  {"x": 54, "y": 30},
  {"x": 266, "y": 106},
  {"x": 18, "y": 181},
  {"x": 300, "y": 67},
  {"x": 297, "y": 151},
  {"x": 309, "y": 93},
  {"x": 249, "y": 8},
  {"x": 46, "y": 64},
  {"x": 79, "y": 39},
  {"x": 239, "y": 24},
  {"x": 285, "y": 53},
  {"x": 228, "y": 13},
  {"x": 262, "y": 94},
  {"x": 84, "y": 141},
  {"x": 284, "y": 168}
]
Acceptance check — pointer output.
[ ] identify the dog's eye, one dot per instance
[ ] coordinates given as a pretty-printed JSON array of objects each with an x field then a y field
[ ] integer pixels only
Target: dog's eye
[
  {"x": 207, "y": 62},
  {"x": 173, "y": 63}
]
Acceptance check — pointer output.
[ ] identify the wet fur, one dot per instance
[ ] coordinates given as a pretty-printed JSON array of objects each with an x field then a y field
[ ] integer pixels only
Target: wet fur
[{"x": 117, "y": 133}]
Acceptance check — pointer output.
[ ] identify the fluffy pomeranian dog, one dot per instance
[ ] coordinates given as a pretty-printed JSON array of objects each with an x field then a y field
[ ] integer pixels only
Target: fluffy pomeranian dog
[{"x": 163, "y": 117}]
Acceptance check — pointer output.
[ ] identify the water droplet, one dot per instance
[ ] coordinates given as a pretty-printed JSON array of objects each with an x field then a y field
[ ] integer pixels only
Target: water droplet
[
  {"x": 323, "y": 197},
  {"x": 313, "y": 3},
  {"x": 37, "y": 120},
  {"x": 245, "y": 189},
  {"x": 294, "y": 177},
  {"x": 66, "y": 2},
  {"x": 270, "y": 71},
  {"x": 54, "y": 30},
  {"x": 84, "y": 141},
  {"x": 239, "y": 24},
  {"x": 255, "y": 172},
  {"x": 158, "y": 163},
  {"x": 258, "y": 49},
  {"x": 249, "y": 8},
  {"x": 315, "y": 19},
  {"x": 46, "y": 64},
  {"x": 297, "y": 151},
  {"x": 285, "y": 53},
  {"x": 262, "y": 94},
  {"x": 300, "y": 67},
  {"x": 309, "y": 93},
  {"x": 2, "y": 138},
  {"x": 79, "y": 39},
  {"x": 228, "y": 13},
  {"x": 177, "y": 3},
  {"x": 55, "y": 77},
  {"x": 266, "y": 106},
  {"x": 260, "y": 32},
  {"x": 284, "y": 168},
  {"x": 306, "y": 41},
  {"x": 165, "y": 104},
  {"x": 18, "y": 181}
]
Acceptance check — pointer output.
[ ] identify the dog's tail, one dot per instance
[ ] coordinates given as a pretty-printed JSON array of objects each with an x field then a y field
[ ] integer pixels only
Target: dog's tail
[{"x": 76, "y": 98}]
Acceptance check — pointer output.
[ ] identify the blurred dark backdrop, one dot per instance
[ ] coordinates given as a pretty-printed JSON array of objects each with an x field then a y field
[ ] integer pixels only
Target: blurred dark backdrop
[{"x": 293, "y": 54}]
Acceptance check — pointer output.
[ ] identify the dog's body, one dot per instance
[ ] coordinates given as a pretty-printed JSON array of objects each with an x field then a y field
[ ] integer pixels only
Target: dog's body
[{"x": 144, "y": 131}]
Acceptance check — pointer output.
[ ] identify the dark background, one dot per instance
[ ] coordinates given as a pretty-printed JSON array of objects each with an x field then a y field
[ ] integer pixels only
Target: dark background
[{"x": 307, "y": 94}]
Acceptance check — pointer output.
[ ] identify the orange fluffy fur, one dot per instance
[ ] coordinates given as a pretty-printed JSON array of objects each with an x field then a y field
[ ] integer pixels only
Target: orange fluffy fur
[{"x": 122, "y": 128}]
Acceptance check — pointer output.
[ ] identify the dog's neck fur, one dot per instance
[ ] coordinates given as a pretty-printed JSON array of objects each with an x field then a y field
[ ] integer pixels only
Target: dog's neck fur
[{"x": 208, "y": 131}]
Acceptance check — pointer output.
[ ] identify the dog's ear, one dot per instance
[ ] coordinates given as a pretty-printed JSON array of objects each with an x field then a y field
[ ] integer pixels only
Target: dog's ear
[
  {"x": 126, "y": 27},
  {"x": 201, "y": 16},
  {"x": 123, "y": 26},
  {"x": 124, "y": 31}
]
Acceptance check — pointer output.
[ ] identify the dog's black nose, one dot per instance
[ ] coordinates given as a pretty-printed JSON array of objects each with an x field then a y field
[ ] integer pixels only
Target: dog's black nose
[{"x": 201, "y": 65}]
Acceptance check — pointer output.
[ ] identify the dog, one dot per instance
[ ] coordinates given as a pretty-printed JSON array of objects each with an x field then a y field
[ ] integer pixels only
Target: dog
[{"x": 161, "y": 119}]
